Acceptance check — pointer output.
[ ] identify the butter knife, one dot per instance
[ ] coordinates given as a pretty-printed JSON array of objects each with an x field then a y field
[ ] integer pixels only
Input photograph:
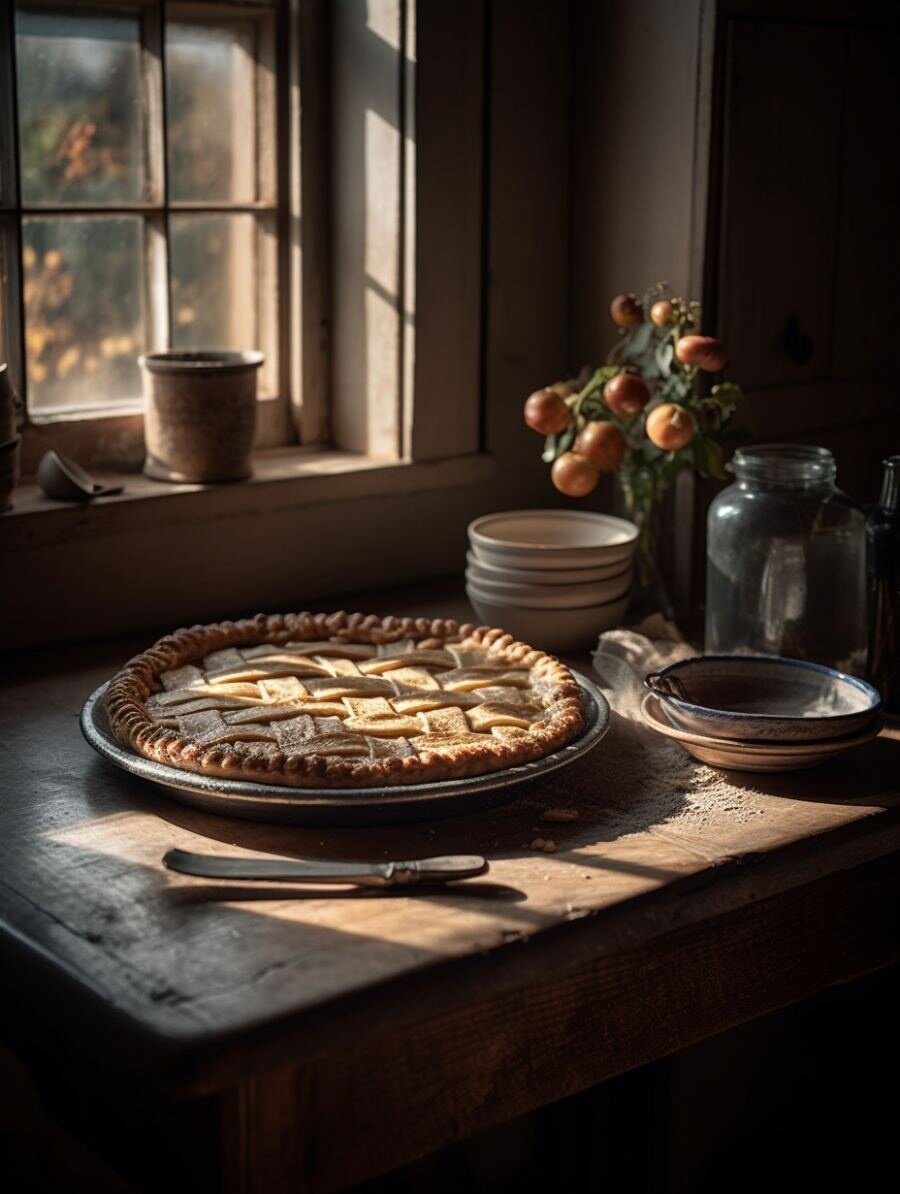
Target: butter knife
[{"x": 363, "y": 874}]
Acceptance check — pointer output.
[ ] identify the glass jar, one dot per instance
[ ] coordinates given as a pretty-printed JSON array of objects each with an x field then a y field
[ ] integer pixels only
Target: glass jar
[
  {"x": 883, "y": 535},
  {"x": 786, "y": 560}
]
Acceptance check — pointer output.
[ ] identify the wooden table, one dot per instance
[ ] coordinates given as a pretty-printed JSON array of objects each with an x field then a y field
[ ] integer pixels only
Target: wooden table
[{"x": 257, "y": 1031}]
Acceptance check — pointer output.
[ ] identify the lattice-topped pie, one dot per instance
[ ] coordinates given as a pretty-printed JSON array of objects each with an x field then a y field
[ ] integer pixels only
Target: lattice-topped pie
[{"x": 316, "y": 700}]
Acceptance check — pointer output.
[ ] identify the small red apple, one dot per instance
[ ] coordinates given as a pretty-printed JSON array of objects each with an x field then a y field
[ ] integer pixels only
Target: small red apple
[
  {"x": 603, "y": 444},
  {"x": 574, "y": 475},
  {"x": 705, "y": 351},
  {"x": 661, "y": 313},
  {"x": 626, "y": 394},
  {"x": 546, "y": 413},
  {"x": 670, "y": 427},
  {"x": 626, "y": 311}
]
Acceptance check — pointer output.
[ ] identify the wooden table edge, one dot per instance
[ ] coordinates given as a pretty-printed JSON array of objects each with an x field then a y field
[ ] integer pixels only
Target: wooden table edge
[{"x": 197, "y": 1062}]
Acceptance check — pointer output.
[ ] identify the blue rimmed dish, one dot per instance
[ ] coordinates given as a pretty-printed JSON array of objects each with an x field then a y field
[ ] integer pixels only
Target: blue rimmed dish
[{"x": 763, "y": 698}]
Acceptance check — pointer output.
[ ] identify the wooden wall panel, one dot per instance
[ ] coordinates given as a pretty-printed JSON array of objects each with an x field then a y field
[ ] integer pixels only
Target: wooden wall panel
[
  {"x": 868, "y": 262},
  {"x": 444, "y": 207},
  {"x": 781, "y": 192},
  {"x": 528, "y": 318},
  {"x": 637, "y": 156}
]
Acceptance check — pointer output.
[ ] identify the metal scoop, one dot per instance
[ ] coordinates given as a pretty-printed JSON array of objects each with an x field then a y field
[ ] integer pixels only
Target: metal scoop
[{"x": 65, "y": 480}]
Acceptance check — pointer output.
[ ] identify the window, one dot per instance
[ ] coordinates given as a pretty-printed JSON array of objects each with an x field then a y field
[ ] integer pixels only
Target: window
[
  {"x": 155, "y": 164},
  {"x": 139, "y": 197}
]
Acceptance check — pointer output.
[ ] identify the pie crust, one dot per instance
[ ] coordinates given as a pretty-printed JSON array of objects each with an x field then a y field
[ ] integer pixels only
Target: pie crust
[{"x": 343, "y": 701}]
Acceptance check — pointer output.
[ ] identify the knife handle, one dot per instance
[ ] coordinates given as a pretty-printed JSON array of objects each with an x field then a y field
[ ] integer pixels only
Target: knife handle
[{"x": 444, "y": 869}]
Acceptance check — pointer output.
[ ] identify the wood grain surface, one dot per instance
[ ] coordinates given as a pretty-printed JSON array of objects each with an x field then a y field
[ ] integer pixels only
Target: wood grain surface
[{"x": 646, "y": 929}]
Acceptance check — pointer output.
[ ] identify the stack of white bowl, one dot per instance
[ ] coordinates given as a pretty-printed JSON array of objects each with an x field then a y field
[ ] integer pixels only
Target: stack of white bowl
[{"x": 553, "y": 578}]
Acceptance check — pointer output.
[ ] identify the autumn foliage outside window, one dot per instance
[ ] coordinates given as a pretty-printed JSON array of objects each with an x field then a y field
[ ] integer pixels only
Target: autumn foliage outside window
[{"x": 130, "y": 231}]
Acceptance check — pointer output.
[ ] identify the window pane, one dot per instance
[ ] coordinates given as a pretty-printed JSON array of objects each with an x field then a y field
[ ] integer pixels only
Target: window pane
[
  {"x": 84, "y": 317},
  {"x": 80, "y": 116},
  {"x": 211, "y": 110},
  {"x": 213, "y": 268}
]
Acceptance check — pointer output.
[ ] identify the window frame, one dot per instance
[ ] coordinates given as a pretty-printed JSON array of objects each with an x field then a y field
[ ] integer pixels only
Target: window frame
[{"x": 111, "y": 435}]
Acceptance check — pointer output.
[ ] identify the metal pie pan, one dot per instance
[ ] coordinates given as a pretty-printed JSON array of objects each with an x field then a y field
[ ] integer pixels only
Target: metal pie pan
[{"x": 342, "y": 806}]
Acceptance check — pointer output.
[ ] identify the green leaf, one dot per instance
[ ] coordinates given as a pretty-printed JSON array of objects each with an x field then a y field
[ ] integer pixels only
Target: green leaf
[
  {"x": 676, "y": 388},
  {"x": 600, "y": 377},
  {"x": 728, "y": 389},
  {"x": 555, "y": 445},
  {"x": 638, "y": 341},
  {"x": 664, "y": 355},
  {"x": 593, "y": 407},
  {"x": 726, "y": 395},
  {"x": 709, "y": 458}
]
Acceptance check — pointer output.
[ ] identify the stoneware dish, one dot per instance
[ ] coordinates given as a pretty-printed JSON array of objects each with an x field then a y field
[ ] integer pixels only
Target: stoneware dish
[
  {"x": 762, "y": 698},
  {"x": 733, "y": 755},
  {"x": 553, "y": 630},
  {"x": 530, "y": 596},
  {"x": 482, "y": 569},
  {"x": 540, "y": 539}
]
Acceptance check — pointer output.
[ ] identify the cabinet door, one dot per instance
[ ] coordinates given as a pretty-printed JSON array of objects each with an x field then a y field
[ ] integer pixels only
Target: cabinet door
[
  {"x": 781, "y": 191},
  {"x": 809, "y": 246},
  {"x": 868, "y": 256}
]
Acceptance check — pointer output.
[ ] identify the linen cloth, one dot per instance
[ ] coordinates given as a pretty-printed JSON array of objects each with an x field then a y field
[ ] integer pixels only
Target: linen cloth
[{"x": 643, "y": 770}]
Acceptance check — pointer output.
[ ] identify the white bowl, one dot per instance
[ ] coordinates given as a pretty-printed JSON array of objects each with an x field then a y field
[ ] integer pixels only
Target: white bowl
[
  {"x": 552, "y": 539},
  {"x": 550, "y": 629},
  {"x": 601, "y": 592},
  {"x": 483, "y": 569}
]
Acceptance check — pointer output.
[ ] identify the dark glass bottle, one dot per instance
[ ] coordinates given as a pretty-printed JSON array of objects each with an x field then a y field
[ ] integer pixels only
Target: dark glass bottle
[{"x": 883, "y": 562}]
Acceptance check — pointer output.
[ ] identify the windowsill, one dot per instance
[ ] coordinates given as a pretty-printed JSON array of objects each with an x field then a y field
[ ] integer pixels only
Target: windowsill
[{"x": 283, "y": 478}]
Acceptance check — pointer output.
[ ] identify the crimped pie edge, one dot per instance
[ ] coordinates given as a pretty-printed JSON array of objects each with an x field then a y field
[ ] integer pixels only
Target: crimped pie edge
[{"x": 133, "y": 684}]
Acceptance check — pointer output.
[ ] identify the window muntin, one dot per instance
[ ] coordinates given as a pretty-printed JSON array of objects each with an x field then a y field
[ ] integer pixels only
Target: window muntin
[{"x": 81, "y": 118}]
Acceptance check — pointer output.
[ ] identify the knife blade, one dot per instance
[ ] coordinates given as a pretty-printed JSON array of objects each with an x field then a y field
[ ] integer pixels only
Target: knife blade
[{"x": 447, "y": 869}]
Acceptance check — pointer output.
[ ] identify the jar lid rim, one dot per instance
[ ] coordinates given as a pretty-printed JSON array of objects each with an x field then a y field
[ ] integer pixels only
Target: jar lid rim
[{"x": 789, "y": 453}]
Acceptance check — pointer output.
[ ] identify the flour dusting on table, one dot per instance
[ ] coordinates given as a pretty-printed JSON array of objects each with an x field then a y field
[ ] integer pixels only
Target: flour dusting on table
[{"x": 672, "y": 786}]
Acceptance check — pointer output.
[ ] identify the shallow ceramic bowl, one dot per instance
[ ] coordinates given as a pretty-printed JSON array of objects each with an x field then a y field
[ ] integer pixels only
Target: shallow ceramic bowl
[
  {"x": 747, "y": 697},
  {"x": 546, "y": 539},
  {"x": 734, "y": 755},
  {"x": 553, "y": 630},
  {"x": 482, "y": 569},
  {"x": 531, "y": 596}
]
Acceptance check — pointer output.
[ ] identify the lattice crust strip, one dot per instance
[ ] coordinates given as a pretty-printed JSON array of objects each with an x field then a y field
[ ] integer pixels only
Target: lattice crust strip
[{"x": 369, "y": 701}]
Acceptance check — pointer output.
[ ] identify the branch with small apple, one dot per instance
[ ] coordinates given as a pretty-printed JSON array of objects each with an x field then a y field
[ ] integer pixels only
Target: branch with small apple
[{"x": 659, "y": 405}]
